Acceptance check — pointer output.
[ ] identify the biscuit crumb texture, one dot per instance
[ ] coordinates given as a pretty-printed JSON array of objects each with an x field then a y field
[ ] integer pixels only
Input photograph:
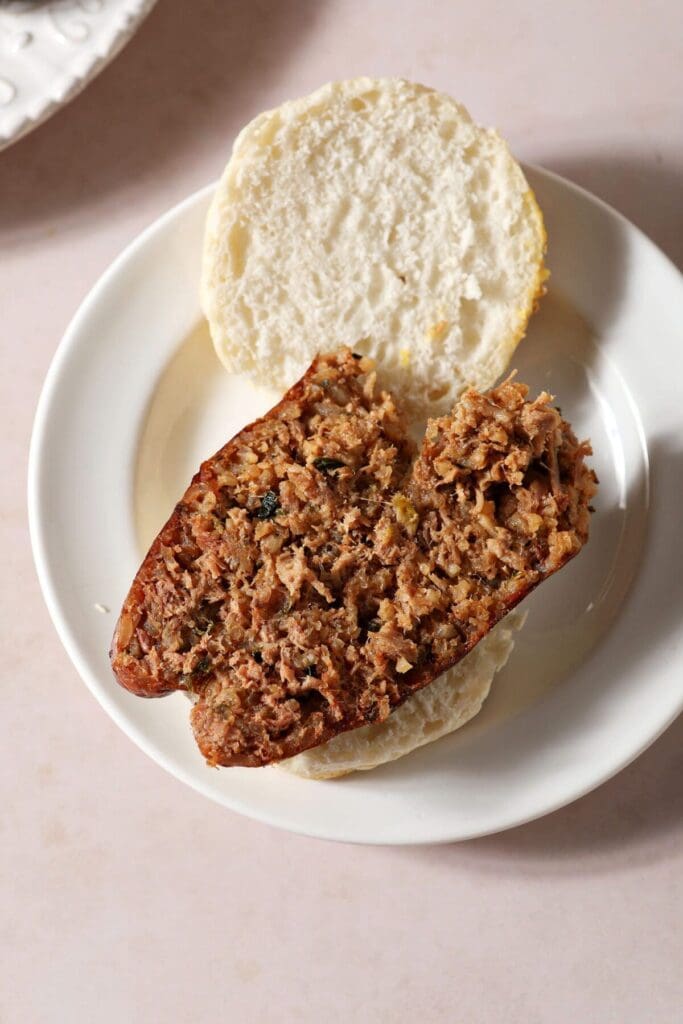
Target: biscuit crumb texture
[{"x": 376, "y": 214}]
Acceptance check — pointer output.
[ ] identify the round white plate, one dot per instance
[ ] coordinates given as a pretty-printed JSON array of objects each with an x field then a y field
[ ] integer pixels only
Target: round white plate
[
  {"x": 49, "y": 50},
  {"x": 135, "y": 399}
]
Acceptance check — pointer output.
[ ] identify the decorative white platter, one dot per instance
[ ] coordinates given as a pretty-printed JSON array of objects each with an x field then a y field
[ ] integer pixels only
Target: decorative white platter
[{"x": 51, "y": 49}]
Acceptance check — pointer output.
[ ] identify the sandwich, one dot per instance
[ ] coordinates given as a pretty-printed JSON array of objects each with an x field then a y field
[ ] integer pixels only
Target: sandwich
[{"x": 329, "y": 595}]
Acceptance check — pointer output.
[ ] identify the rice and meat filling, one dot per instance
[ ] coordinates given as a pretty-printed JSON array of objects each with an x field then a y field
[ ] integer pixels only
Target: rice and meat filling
[{"x": 311, "y": 578}]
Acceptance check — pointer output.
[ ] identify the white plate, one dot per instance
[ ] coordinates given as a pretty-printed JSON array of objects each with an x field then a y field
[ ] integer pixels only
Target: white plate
[
  {"x": 50, "y": 50},
  {"x": 134, "y": 393}
]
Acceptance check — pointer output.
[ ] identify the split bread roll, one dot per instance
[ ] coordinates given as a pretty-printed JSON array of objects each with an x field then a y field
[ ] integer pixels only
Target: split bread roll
[
  {"x": 373, "y": 213},
  {"x": 441, "y": 708}
]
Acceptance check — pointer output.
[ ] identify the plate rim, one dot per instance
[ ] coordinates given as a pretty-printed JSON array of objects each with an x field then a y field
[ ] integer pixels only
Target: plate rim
[{"x": 50, "y": 589}]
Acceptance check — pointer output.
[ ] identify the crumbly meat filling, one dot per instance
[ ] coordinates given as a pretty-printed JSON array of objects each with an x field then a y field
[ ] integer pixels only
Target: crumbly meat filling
[{"x": 311, "y": 578}]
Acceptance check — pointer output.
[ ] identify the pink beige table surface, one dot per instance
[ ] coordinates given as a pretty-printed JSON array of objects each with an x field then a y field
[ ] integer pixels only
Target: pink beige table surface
[{"x": 124, "y": 896}]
